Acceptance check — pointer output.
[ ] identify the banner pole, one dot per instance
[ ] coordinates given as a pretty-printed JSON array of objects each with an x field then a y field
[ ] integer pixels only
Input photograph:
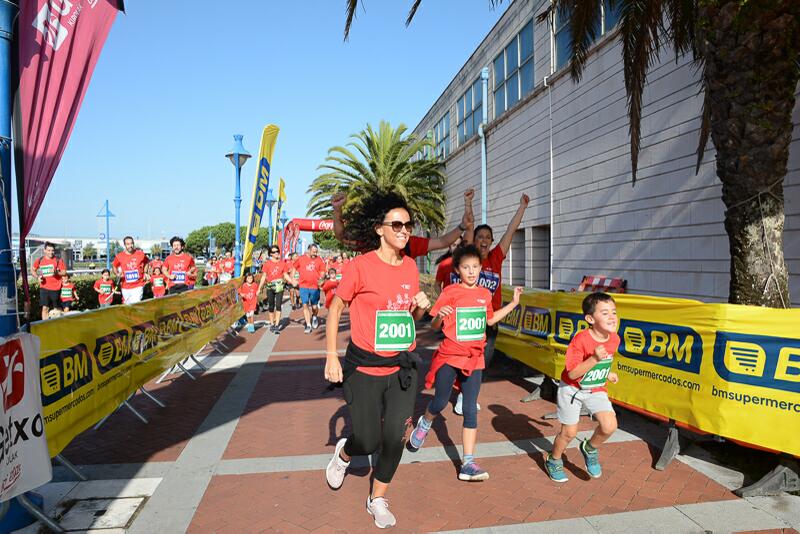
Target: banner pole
[{"x": 8, "y": 278}]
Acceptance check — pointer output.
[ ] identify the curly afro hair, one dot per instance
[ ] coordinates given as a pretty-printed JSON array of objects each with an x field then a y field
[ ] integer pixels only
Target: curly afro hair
[{"x": 364, "y": 217}]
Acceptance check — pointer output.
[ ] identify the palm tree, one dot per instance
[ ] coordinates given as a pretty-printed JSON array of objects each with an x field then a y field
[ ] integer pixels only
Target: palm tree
[
  {"x": 383, "y": 160},
  {"x": 748, "y": 56}
]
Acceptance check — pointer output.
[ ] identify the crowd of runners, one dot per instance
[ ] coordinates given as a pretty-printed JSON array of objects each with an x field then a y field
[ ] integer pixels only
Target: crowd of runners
[{"x": 378, "y": 373}]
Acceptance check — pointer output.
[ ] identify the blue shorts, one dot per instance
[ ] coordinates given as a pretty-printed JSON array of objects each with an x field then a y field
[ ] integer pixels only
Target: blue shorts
[{"x": 309, "y": 296}]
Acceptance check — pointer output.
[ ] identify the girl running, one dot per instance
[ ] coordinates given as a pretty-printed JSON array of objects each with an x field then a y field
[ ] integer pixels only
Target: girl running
[
  {"x": 330, "y": 285},
  {"x": 105, "y": 289},
  {"x": 249, "y": 294},
  {"x": 379, "y": 372},
  {"x": 159, "y": 283},
  {"x": 275, "y": 276},
  {"x": 294, "y": 285},
  {"x": 491, "y": 274},
  {"x": 463, "y": 310},
  {"x": 68, "y": 294}
]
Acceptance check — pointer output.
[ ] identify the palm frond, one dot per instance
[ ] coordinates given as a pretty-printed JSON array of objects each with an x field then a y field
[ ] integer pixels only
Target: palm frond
[{"x": 350, "y": 14}]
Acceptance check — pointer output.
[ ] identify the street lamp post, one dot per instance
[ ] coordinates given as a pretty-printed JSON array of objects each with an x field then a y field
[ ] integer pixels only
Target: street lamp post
[
  {"x": 271, "y": 200},
  {"x": 211, "y": 244},
  {"x": 284, "y": 219},
  {"x": 238, "y": 156}
]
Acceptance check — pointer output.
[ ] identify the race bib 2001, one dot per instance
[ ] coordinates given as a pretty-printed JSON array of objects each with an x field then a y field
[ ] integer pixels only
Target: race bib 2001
[
  {"x": 131, "y": 276},
  {"x": 596, "y": 376},
  {"x": 470, "y": 323},
  {"x": 394, "y": 330}
]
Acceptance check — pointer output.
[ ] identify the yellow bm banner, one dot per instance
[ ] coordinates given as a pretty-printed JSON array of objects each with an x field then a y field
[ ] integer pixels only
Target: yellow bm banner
[
  {"x": 91, "y": 362},
  {"x": 725, "y": 369}
]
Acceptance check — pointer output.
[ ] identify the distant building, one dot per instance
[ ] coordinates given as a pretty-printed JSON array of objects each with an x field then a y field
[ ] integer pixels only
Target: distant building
[{"x": 75, "y": 246}]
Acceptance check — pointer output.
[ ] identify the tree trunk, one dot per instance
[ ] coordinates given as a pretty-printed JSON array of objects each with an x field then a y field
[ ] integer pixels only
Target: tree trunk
[{"x": 750, "y": 51}]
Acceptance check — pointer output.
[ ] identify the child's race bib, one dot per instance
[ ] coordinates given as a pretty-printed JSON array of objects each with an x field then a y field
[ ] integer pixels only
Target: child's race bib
[
  {"x": 131, "y": 276},
  {"x": 596, "y": 376},
  {"x": 66, "y": 293},
  {"x": 394, "y": 330},
  {"x": 105, "y": 289},
  {"x": 158, "y": 282},
  {"x": 339, "y": 276},
  {"x": 470, "y": 323}
]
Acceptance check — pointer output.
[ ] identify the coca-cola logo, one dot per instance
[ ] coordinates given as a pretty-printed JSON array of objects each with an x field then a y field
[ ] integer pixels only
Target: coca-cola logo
[{"x": 12, "y": 373}]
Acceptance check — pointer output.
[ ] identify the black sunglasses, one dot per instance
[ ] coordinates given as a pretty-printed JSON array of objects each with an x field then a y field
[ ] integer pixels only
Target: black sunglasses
[
  {"x": 275, "y": 251},
  {"x": 397, "y": 226}
]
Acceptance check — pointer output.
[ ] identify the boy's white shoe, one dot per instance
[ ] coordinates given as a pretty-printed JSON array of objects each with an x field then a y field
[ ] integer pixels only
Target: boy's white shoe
[{"x": 458, "y": 408}]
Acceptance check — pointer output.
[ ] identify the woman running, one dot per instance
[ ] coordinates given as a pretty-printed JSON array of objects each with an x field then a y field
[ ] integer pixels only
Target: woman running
[
  {"x": 275, "y": 275},
  {"x": 464, "y": 310},
  {"x": 379, "y": 372},
  {"x": 491, "y": 274}
]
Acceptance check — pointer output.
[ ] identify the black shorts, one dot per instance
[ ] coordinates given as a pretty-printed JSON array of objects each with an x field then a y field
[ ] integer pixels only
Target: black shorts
[{"x": 50, "y": 298}]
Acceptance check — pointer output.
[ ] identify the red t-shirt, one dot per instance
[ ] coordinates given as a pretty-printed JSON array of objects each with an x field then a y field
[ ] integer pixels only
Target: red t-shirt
[
  {"x": 329, "y": 287},
  {"x": 159, "y": 283},
  {"x": 274, "y": 270},
  {"x": 156, "y": 263},
  {"x": 458, "y": 296},
  {"x": 67, "y": 292},
  {"x": 581, "y": 349},
  {"x": 491, "y": 276},
  {"x": 311, "y": 270},
  {"x": 179, "y": 265},
  {"x": 106, "y": 288},
  {"x": 248, "y": 293},
  {"x": 132, "y": 266},
  {"x": 371, "y": 285},
  {"x": 228, "y": 265},
  {"x": 48, "y": 268},
  {"x": 416, "y": 246},
  {"x": 444, "y": 273}
]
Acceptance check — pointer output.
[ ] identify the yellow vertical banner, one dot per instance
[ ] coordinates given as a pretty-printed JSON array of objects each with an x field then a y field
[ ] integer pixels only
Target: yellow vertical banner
[
  {"x": 281, "y": 200},
  {"x": 268, "y": 139}
]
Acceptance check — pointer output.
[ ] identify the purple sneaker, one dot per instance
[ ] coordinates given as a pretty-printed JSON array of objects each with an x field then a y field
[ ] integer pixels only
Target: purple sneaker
[
  {"x": 418, "y": 435},
  {"x": 472, "y": 472}
]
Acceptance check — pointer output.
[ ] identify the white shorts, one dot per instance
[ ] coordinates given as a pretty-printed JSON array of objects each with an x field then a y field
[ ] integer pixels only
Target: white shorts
[
  {"x": 225, "y": 277},
  {"x": 571, "y": 399},
  {"x": 132, "y": 295},
  {"x": 249, "y": 314}
]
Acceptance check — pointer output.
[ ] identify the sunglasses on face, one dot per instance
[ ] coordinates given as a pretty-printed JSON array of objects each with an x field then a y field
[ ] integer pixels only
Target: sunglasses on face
[
  {"x": 274, "y": 251},
  {"x": 398, "y": 226}
]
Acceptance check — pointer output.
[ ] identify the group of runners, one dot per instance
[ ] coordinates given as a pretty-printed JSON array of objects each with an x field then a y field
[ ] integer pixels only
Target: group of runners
[{"x": 379, "y": 372}]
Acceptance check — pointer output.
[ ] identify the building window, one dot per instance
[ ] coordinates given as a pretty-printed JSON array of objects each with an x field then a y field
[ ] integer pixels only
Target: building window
[
  {"x": 469, "y": 112},
  {"x": 441, "y": 136},
  {"x": 513, "y": 71},
  {"x": 606, "y": 21}
]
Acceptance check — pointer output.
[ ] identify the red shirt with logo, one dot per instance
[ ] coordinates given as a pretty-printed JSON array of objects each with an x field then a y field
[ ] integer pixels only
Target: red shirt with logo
[
  {"x": 369, "y": 285},
  {"x": 106, "y": 291},
  {"x": 581, "y": 349},
  {"x": 444, "y": 273},
  {"x": 311, "y": 270},
  {"x": 274, "y": 269},
  {"x": 228, "y": 265},
  {"x": 48, "y": 269},
  {"x": 179, "y": 265},
  {"x": 329, "y": 287},
  {"x": 132, "y": 266},
  {"x": 159, "y": 284},
  {"x": 248, "y": 293},
  {"x": 67, "y": 291}
]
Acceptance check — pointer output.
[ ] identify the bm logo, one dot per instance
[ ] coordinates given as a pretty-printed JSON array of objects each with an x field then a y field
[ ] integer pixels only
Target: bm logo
[
  {"x": 535, "y": 322},
  {"x": 771, "y": 362},
  {"x": 65, "y": 372},
  {"x": 510, "y": 322},
  {"x": 673, "y": 346}
]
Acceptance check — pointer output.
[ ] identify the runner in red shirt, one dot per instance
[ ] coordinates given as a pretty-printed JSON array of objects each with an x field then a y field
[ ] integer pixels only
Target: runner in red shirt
[
  {"x": 382, "y": 289},
  {"x": 330, "y": 285},
  {"x": 159, "y": 283},
  {"x": 227, "y": 267},
  {"x": 49, "y": 270},
  {"x": 154, "y": 263},
  {"x": 129, "y": 266},
  {"x": 294, "y": 286},
  {"x": 211, "y": 275},
  {"x": 275, "y": 276},
  {"x": 416, "y": 246},
  {"x": 179, "y": 268},
  {"x": 312, "y": 271},
  {"x": 249, "y": 293},
  {"x": 68, "y": 294},
  {"x": 444, "y": 272},
  {"x": 463, "y": 310},
  {"x": 105, "y": 289}
]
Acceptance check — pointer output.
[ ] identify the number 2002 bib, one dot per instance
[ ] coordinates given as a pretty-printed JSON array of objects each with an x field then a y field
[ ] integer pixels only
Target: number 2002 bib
[
  {"x": 394, "y": 330},
  {"x": 596, "y": 376},
  {"x": 470, "y": 323}
]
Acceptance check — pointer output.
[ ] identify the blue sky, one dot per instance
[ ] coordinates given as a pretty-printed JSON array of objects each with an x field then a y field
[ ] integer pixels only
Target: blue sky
[{"x": 177, "y": 79}]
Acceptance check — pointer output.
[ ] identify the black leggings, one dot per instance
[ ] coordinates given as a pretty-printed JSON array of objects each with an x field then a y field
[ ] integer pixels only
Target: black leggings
[
  {"x": 371, "y": 399},
  {"x": 488, "y": 352},
  {"x": 274, "y": 300}
]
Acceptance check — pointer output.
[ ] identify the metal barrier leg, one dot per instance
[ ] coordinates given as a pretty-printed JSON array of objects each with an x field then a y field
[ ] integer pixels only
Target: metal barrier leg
[
  {"x": 197, "y": 362},
  {"x": 103, "y": 420},
  {"x": 135, "y": 411},
  {"x": 70, "y": 467},
  {"x": 165, "y": 375},
  {"x": 185, "y": 371},
  {"x": 39, "y": 514},
  {"x": 152, "y": 397},
  {"x": 672, "y": 447},
  {"x": 785, "y": 477}
]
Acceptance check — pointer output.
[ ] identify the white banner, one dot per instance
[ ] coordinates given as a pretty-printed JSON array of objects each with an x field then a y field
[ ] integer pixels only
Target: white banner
[{"x": 24, "y": 459}]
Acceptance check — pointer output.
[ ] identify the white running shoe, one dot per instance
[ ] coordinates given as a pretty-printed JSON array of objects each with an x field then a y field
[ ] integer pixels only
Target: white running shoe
[
  {"x": 337, "y": 467},
  {"x": 458, "y": 408},
  {"x": 314, "y": 322},
  {"x": 378, "y": 508}
]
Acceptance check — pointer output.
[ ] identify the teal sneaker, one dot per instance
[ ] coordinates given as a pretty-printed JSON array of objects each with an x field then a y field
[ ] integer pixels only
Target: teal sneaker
[
  {"x": 555, "y": 469},
  {"x": 592, "y": 460}
]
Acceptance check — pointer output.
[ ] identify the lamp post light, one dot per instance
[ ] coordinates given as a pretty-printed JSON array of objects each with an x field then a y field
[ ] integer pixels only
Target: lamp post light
[
  {"x": 271, "y": 200},
  {"x": 238, "y": 156}
]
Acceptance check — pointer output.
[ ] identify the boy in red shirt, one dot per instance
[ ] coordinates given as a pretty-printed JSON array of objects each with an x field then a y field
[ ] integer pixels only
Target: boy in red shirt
[
  {"x": 104, "y": 287},
  {"x": 249, "y": 294},
  {"x": 463, "y": 310},
  {"x": 49, "y": 270},
  {"x": 587, "y": 366},
  {"x": 330, "y": 285},
  {"x": 159, "y": 283},
  {"x": 68, "y": 294}
]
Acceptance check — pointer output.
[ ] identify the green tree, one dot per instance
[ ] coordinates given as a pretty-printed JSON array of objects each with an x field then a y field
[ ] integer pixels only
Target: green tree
[
  {"x": 89, "y": 252},
  {"x": 748, "y": 56},
  {"x": 197, "y": 241},
  {"x": 382, "y": 160},
  {"x": 114, "y": 248},
  {"x": 327, "y": 241}
]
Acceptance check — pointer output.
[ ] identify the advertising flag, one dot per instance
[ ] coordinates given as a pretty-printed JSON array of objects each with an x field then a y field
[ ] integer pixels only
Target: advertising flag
[
  {"x": 281, "y": 200},
  {"x": 268, "y": 139}
]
